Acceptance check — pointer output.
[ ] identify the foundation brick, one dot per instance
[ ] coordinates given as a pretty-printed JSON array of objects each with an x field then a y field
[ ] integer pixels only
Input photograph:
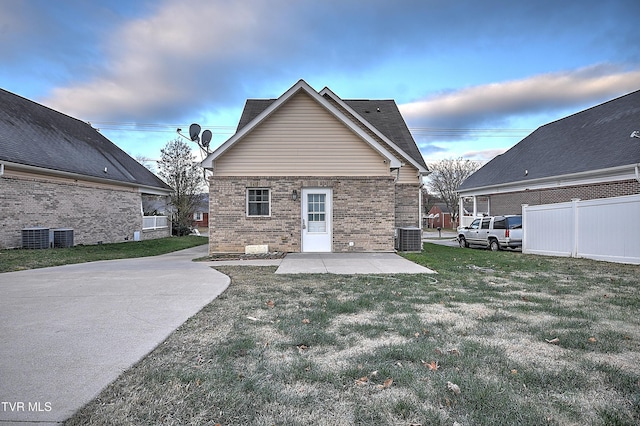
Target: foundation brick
[{"x": 363, "y": 213}]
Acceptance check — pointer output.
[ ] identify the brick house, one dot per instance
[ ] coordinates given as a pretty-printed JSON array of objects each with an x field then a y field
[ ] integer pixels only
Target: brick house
[
  {"x": 310, "y": 172},
  {"x": 201, "y": 213},
  {"x": 439, "y": 216},
  {"x": 59, "y": 172},
  {"x": 587, "y": 155}
]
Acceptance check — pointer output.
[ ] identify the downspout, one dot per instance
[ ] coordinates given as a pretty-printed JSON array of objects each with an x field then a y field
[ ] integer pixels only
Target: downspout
[
  {"x": 2, "y": 169},
  {"x": 637, "y": 173}
]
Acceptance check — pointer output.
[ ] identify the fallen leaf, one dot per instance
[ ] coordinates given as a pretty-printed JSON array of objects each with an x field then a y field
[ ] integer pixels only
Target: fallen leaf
[
  {"x": 387, "y": 383},
  {"x": 374, "y": 373},
  {"x": 306, "y": 321},
  {"x": 453, "y": 388},
  {"x": 302, "y": 348},
  {"x": 271, "y": 304},
  {"x": 417, "y": 334},
  {"x": 454, "y": 352},
  {"x": 592, "y": 340},
  {"x": 433, "y": 365},
  {"x": 252, "y": 318},
  {"x": 514, "y": 371},
  {"x": 553, "y": 341},
  {"x": 362, "y": 381},
  {"x": 438, "y": 351}
]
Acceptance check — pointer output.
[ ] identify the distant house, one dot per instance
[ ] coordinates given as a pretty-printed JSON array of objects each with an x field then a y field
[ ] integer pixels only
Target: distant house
[
  {"x": 312, "y": 172},
  {"x": 59, "y": 172},
  {"x": 592, "y": 154},
  {"x": 439, "y": 217},
  {"x": 201, "y": 214}
]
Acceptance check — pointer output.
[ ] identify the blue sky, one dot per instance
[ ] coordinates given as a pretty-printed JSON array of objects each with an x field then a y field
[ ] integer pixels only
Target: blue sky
[{"x": 472, "y": 78}]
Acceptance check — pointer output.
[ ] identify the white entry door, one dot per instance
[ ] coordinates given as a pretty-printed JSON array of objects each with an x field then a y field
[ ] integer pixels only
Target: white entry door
[{"x": 316, "y": 220}]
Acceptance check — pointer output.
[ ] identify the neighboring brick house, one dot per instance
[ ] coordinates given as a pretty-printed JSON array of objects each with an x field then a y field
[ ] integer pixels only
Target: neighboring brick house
[
  {"x": 59, "y": 172},
  {"x": 201, "y": 214},
  {"x": 439, "y": 217},
  {"x": 310, "y": 172},
  {"x": 592, "y": 154}
]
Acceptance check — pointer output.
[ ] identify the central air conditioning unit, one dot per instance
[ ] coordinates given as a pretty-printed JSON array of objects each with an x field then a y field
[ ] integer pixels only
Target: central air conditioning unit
[
  {"x": 35, "y": 238},
  {"x": 61, "y": 237},
  {"x": 409, "y": 239}
]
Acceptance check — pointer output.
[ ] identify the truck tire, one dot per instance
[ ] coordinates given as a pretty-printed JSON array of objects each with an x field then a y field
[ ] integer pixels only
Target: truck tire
[
  {"x": 463, "y": 242},
  {"x": 493, "y": 245}
]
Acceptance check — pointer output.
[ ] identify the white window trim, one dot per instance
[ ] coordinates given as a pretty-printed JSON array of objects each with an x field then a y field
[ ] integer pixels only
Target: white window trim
[{"x": 246, "y": 198}]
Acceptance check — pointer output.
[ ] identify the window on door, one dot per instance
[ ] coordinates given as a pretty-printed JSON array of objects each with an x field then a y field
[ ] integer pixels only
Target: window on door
[
  {"x": 316, "y": 213},
  {"x": 258, "y": 202}
]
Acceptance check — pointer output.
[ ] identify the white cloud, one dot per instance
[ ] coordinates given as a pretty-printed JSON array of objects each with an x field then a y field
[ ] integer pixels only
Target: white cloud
[
  {"x": 157, "y": 65},
  {"x": 495, "y": 103}
]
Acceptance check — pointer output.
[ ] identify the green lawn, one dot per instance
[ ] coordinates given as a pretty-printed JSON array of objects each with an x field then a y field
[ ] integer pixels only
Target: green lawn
[
  {"x": 20, "y": 259},
  {"x": 493, "y": 339}
]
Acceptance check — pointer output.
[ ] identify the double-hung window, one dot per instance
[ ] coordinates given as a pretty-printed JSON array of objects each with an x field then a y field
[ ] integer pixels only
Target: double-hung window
[{"x": 258, "y": 202}]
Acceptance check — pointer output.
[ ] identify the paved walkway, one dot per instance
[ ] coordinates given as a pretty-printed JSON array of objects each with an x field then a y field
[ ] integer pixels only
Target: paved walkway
[
  {"x": 349, "y": 263},
  {"x": 335, "y": 263},
  {"x": 67, "y": 332}
]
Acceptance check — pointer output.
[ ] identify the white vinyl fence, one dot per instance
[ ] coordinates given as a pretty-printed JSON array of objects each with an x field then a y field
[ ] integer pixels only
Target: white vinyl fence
[{"x": 603, "y": 229}]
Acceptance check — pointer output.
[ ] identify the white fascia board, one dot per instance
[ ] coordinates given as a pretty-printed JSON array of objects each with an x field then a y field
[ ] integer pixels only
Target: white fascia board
[
  {"x": 611, "y": 174},
  {"x": 207, "y": 163},
  {"x": 343, "y": 104},
  {"x": 77, "y": 176}
]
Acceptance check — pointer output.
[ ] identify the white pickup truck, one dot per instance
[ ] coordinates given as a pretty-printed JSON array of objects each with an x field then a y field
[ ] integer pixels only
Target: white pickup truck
[{"x": 493, "y": 232}]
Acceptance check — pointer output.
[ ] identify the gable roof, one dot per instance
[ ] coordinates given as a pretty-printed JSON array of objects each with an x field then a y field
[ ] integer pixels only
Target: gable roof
[
  {"x": 592, "y": 140},
  {"x": 38, "y": 137},
  {"x": 390, "y": 125}
]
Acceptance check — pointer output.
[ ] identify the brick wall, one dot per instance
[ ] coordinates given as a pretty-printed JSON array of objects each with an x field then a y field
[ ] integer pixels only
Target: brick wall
[
  {"x": 363, "y": 213},
  {"x": 95, "y": 213},
  {"x": 407, "y": 205},
  {"x": 511, "y": 203}
]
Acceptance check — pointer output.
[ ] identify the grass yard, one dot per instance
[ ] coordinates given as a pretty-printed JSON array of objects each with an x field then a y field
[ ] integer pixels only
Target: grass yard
[
  {"x": 21, "y": 259},
  {"x": 493, "y": 339}
]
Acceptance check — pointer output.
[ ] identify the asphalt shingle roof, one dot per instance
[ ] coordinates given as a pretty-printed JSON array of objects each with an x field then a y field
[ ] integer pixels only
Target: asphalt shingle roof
[
  {"x": 34, "y": 135},
  {"x": 384, "y": 115},
  {"x": 593, "y": 139}
]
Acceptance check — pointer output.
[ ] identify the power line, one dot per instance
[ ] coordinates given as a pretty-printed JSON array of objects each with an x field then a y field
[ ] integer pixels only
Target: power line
[{"x": 415, "y": 131}]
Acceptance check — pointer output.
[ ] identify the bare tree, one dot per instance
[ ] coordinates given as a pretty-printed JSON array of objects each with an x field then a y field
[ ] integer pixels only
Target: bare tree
[
  {"x": 445, "y": 178},
  {"x": 178, "y": 167}
]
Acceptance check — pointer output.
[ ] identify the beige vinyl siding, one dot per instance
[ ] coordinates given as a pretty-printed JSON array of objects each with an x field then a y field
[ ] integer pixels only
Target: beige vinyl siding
[
  {"x": 408, "y": 174},
  {"x": 301, "y": 138}
]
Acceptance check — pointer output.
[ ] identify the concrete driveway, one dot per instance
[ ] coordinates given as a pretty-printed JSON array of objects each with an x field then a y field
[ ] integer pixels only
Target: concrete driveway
[{"x": 67, "y": 332}]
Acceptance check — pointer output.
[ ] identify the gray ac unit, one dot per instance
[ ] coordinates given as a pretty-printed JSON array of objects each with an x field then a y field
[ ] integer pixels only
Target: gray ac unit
[
  {"x": 35, "y": 238},
  {"x": 409, "y": 239},
  {"x": 62, "y": 237}
]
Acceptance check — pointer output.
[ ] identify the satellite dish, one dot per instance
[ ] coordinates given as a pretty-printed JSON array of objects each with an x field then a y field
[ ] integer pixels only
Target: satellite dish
[
  {"x": 206, "y": 138},
  {"x": 194, "y": 131}
]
